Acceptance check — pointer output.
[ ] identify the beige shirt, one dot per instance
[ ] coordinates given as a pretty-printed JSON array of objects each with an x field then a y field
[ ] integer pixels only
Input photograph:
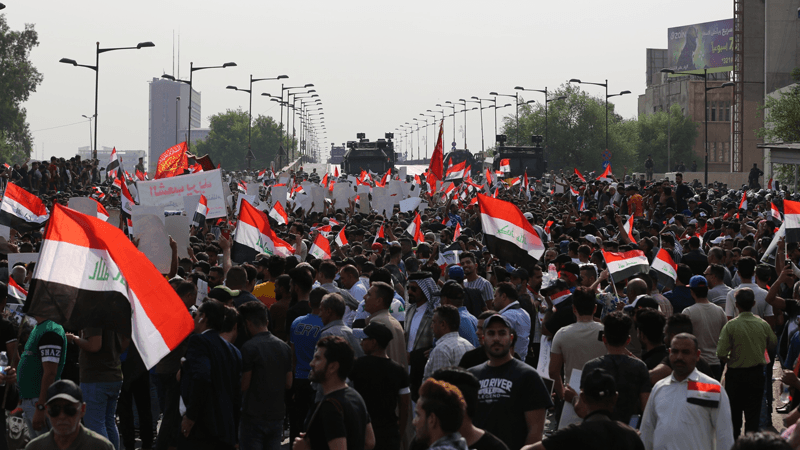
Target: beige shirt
[{"x": 397, "y": 346}]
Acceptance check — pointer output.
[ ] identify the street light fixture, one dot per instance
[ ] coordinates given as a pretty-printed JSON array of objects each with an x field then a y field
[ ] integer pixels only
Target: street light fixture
[
  {"x": 516, "y": 98},
  {"x": 605, "y": 85},
  {"x": 250, "y": 157},
  {"x": 192, "y": 70},
  {"x": 704, "y": 75},
  {"x": 96, "y": 68},
  {"x": 547, "y": 100},
  {"x": 449, "y": 104}
]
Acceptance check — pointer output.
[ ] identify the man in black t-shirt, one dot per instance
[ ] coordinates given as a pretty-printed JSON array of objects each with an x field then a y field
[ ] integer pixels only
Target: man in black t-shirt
[
  {"x": 266, "y": 376},
  {"x": 340, "y": 419},
  {"x": 383, "y": 384},
  {"x": 512, "y": 398}
]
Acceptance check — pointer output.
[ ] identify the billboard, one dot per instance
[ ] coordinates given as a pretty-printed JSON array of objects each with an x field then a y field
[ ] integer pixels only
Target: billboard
[{"x": 709, "y": 45}]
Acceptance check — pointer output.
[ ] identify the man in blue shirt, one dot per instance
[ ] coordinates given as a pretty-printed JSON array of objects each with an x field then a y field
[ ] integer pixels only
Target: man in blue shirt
[
  {"x": 452, "y": 293},
  {"x": 681, "y": 296},
  {"x": 303, "y": 337}
]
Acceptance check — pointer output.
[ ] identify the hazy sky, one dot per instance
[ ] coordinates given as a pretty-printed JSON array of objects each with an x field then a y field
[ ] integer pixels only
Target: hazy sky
[{"x": 375, "y": 65}]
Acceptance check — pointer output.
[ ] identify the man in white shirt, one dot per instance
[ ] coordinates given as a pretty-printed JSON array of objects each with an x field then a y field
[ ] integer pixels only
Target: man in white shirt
[
  {"x": 746, "y": 270},
  {"x": 708, "y": 320},
  {"x": 450, "y": 347},
  {"x": 718, "y": 292},
  {"x": 687, "y": 409}
]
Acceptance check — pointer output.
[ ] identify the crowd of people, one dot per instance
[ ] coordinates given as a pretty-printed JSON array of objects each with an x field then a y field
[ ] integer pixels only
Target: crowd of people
[{"x": 389, "y": 344}]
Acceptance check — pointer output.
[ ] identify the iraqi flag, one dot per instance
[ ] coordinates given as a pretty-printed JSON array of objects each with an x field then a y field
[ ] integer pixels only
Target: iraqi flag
[
  {"x": 102, "y": 214},
  {"x": 791, "y": 217},
  {"x": 141, "y": 176},
  {"x": 254, "y": 236},
  {"x": 379, "y": 235},
  {"x": 22, "y": 210},
  {"x": 241, "y": 187},
  {"x": 415, "y": 229},
  {"x": 279, "y": 214},
  {"x": 456, "y": 172},
  {"x": 625, "y": 265},
  {"x": 341, "y": 239},
  {"x": 742, "y": 203},
  {"x": 628, "y": 227},
  {"x": 16, "y": 291},
  {"x": 457, "y": 231},
  {"x": 578, "y": 173},
  {"x": 775, "y": 213},
  {"x": 321, "y": 249},
  {"x": 665, "y": 267},
  {"x": 505, "y": 165},
  {"x": 508, "y": 234},
  {"x": 126, "y": 200},
  {"x": 108, "y": 284},
  {"x": 573, "y": 191},
  {"x": 113, "y": 164},
  {"x": 200, "y": 212}
]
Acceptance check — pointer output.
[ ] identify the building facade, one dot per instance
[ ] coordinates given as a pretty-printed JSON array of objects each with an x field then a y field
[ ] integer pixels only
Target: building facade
[{"x": 169, "y": 116}]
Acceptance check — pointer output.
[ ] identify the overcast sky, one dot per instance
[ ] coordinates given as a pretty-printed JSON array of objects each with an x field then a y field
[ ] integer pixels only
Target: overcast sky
[{"x": 375, "y": 65}]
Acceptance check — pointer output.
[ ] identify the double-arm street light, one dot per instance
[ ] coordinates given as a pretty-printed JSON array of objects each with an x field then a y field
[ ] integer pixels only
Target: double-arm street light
[
  {"x": 704, "y": 75},
  {"x": 547, "y": 100},
  {"x": 465, "y": 117},
  {"x": 605, "y": 85},
  {"x": 249, "y": 157},
  {"x": 464, "y": 104},
  {"x": 192, "y": 70},
  {"x": 96, "y": 68},
  {"x": 516, "y": 99},
  {"x": 427, "y": 141},
  {"x": 480, "y": 109}
]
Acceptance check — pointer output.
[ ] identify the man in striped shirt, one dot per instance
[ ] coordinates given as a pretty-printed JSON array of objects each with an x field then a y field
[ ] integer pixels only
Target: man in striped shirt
[{"x": 473, "y": 280}]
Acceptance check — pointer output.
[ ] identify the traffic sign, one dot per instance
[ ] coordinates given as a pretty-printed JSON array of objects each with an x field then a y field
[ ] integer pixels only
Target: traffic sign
[
  {"x": 606, "y": 163},
  {"x": 607, "y": 155}
]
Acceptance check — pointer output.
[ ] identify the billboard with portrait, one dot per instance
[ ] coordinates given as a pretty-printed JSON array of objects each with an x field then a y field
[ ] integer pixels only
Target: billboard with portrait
[{"x": 709, "y": 45}]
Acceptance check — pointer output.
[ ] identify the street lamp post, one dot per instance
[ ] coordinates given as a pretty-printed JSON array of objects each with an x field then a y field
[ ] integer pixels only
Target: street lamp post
[
  {"x": 478, "y": 101},
  {"x": 250, "y": 157},
  {"x": 192, "y": 70},
  {"x": 704, "y": 75},
  {"x": 605, "y": 85},
  {"x": 427, "y": 141},
  {"x": 547, "y": 100},
  {"x": 516, "y": 99},
  {"x": 481, "y": 108},
  {"x": 449, "y": 104},
  {"x": 96, "y": 68},
  {"x": 464, "y": 104},
  {"x": 90, "y": 127},
  {"x": 288, "y": 103}
]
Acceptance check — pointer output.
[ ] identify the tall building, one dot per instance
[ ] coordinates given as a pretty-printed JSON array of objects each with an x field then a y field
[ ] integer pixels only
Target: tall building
[{"x": 169, "y": 116}]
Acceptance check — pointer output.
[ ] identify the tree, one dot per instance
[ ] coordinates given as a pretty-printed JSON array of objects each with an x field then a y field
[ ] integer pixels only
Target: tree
[
  {"x": 227, "y": 142},
  {"x": 18, "y": 78},
  {"x": 655, "y": 130},
  {"x": 782, "y": 123},
  {"x": 576, "y": 131}
]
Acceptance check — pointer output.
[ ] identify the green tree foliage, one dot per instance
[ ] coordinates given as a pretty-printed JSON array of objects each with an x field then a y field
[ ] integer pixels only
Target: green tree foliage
[
  {"x": 576, "y": 133},
  {"x": 782, "y": 120},
  {"x": 18, "y": 78},
  {"x": 227, "y": 141},
  {"x": 654, "y": 132}
]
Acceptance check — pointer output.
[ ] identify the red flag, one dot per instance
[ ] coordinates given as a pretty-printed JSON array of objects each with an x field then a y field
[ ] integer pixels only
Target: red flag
[
  {"x": 325, "y": 180},
  {"x": 141, "y": 176},
  {"x": 173, "y": 161},
  {"x": 578, "y": 173},
  {"x": 437, "y": 160},
  {"x": 628, "y": 227},
  {"x": 457, "y": 231},
  {"x": 336, "y": 171},
  {"x": 415, "y": 229},
  {"x": 102, "y": 214},
  {"x": 605, "y": 173}
]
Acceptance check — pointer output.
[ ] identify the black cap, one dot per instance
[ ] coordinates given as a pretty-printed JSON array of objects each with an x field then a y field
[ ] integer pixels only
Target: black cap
[
  {"x": 380, "y": 332},
  {"x": 497, "y": 318},
  {"x": 64, "y": 389},
  {"x": 598, "y": 385}
]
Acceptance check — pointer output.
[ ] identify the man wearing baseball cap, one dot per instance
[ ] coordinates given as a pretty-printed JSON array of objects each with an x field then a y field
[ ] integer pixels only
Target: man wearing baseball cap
[{"x": 65, "y": 408}]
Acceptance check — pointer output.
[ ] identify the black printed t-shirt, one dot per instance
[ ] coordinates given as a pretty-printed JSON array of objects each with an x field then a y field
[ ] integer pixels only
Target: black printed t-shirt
[
  {"x": 341, "y": 413},
  {"x": 507, "y": 392}
]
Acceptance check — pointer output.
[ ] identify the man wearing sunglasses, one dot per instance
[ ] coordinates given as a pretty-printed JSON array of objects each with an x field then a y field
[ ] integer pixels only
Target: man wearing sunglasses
[{"x": 65, "y": 408}]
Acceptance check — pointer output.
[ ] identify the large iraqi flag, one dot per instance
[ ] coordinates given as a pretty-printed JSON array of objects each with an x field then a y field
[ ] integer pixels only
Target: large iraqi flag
[
  {"x": 627, "y": 264},
  {"x": 90, "y": 275},
  {"x": 791, "y": 217},
  {"x": 254, "y": 236},
  {"x": 22, "y": 210},
  {"x": 508, "y": 234}
]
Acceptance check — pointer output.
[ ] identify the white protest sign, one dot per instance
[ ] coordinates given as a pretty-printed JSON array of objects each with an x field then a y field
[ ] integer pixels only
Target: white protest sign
[
  {"x": 178, "y": 228},
  {"x": 568, "y": 414},
  {"x": 25, "y": 258},
  {"x": 403, "y": 171},
  {"x": 279, "y": 195},
  {"x": 168, "y": 192},
  {"x": 153, "y": 240},
  {"x": 83, "y": 205},
  {"x": 226, "y": 191},
  {"x": 190, "y": 205},
  {"x": 5, "y": 231},
  {"x": 253, "y": 189},
  {"x": 317, "y": 197},
  {"x": 409, "y": 204},
  {"x": 140, "y": 210}
]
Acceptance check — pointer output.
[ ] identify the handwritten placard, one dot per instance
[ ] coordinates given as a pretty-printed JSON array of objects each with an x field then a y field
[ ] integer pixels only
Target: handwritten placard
[{"x": 169, "y": 192}]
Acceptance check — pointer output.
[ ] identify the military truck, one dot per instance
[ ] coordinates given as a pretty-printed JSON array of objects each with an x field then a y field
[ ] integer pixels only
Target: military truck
[
  {"x": 521, "y": 158},
  {"x": 458, "y": 156},
  {"x": 375, "y": 156}
]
